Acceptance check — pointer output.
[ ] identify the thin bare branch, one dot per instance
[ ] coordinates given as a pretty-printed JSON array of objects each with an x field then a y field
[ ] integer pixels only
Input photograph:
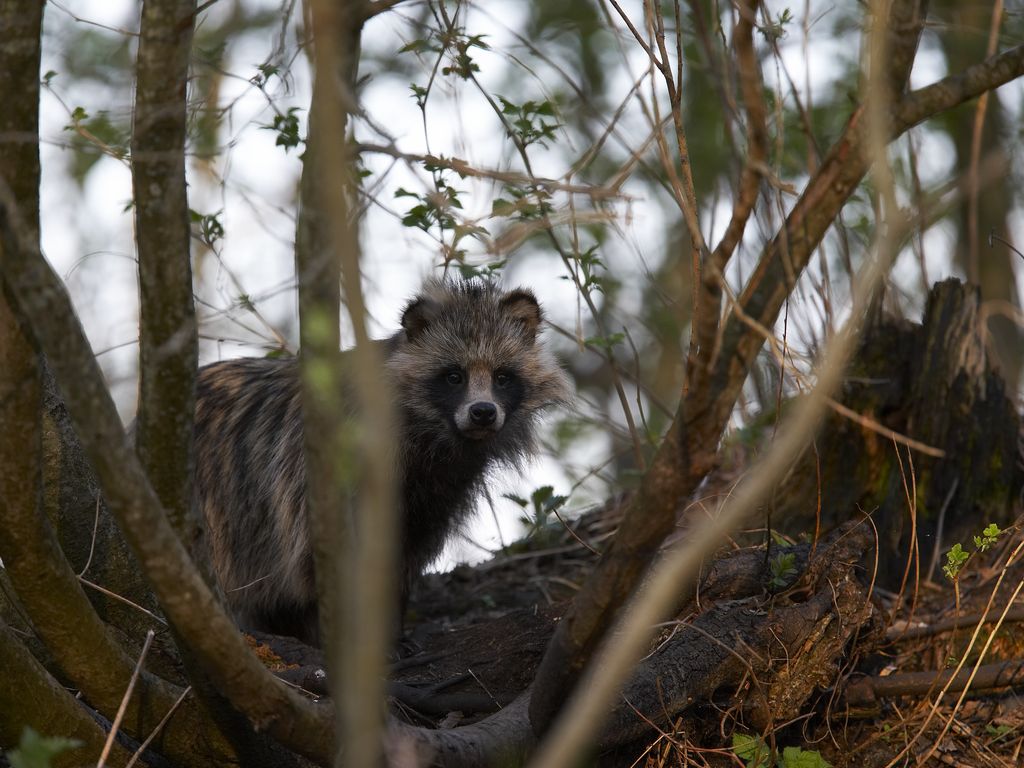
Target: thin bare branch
[
  {"x": 463, "y": 168},
  {"x": 159, "y": 727},
  {"x": 119, "y": 717},
  {"x": 659, "y": 64}
]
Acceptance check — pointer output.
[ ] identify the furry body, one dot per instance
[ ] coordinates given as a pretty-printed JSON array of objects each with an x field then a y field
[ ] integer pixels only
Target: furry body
[{"x": 470, "y": 378}]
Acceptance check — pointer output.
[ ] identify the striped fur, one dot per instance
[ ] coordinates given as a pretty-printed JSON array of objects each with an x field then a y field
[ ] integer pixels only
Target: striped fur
[{"x": 470, "y": 377}]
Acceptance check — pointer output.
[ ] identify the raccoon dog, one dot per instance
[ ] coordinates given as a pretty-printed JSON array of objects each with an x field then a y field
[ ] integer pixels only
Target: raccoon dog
[{"x": 470, "y": 378}]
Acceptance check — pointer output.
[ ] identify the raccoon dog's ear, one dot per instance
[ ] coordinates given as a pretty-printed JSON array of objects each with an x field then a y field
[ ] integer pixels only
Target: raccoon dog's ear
[
  {"x": 522, "y": 306},
  {"x": 418, "y": 316}
]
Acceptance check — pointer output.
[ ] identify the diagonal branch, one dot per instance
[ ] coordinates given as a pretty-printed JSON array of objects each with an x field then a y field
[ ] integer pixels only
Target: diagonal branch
[
  {"x": 688, "y": 450},
  {"x": 82, "y": 646},
  {"x": 752, "y": 88},
  {"x": 205, "y": 630},
  {"x": 917, "y": 106},
  {"x": 44, "y": 704},
  {"x": 827, "y": 191}
]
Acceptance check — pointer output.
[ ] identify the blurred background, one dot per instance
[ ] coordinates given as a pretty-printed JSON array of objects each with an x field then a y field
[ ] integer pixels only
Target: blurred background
[{"x": 568, "y": 76}]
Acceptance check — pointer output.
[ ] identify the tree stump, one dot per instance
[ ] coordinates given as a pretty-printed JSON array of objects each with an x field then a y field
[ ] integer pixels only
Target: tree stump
[{"x": 932, "y": 382}]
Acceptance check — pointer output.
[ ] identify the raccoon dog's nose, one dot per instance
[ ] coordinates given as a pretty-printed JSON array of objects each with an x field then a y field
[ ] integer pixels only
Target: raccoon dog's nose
[{"x": 483, "y": 414}]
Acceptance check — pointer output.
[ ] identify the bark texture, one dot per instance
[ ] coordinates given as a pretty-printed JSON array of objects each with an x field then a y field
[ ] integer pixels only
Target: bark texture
[
  {"x": 935, "y": 383},
  {"x": 168, "y": 342}
]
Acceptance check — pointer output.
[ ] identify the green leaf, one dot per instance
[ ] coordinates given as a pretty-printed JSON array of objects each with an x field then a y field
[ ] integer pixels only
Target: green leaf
[
  {"x": 783, "y": 568},
  {"x": 955, "y": 559},
  {"x": 35, "y": 751},
  {"x": 751, "y": 749},
  {"x": 210, "y": 227},
  {"x": 507, "y": 107},
  {"x": 415, "y": 46},
  {"x": 542, "y": 494},
  {"x": 420, "y": 94},
  {"x": 287, "y": 127},
  {"x": 794, "y": 757},
  {"x": 989, "y": 536},
  {"x": 502, "y": 207},
  {"x": 265, "y": 71},
  {"x": 486, "y": 271},
  {"x": 606, "y": 342},
  {"x": 998, "y": 732},
  {"x": 469, "y": 230}
]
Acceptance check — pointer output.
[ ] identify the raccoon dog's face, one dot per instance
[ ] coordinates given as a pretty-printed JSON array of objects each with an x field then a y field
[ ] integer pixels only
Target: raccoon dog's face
[{"x": 468, "y": 357}]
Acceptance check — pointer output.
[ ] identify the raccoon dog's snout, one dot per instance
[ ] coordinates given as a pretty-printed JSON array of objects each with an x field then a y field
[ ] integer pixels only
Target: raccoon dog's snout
[
  {"x": 483, "y": 414},
  {"x": 479, "y": 419}
]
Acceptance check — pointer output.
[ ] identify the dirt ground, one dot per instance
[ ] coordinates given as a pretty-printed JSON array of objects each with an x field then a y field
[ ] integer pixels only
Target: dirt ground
[
  {"x": 475, "y": 636},
  {"x": 482, "y": 631}
]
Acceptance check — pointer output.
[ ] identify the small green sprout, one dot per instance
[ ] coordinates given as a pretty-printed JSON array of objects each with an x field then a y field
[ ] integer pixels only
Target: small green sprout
[
  {"x": 955, "y": 560},
  {"x": 783, "y": 567},
  {"x": 35, "y": 751},
  {"x": 755, "y": 753},
  {"x": 989, "y": 536}
]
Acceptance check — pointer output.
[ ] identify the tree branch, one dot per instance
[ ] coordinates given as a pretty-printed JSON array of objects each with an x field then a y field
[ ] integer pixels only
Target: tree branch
[
  {"x": 917, "y": 106},
  {"x": 707, "y": 323},
  {"x": 188, "y": 602},
  {"x": 902, "y": 35},
  {"x": 866, "y": 691},
  {"x": 82, "y": 646},
  {"x": 688, "y": 450},
  {"x": 86, "y": 653},
  {"x": 44, "y": 704},
  {"x": 168, "y": 344},
  {"x": 346, "y": 466},
  {"x": 751, "y": 86}
]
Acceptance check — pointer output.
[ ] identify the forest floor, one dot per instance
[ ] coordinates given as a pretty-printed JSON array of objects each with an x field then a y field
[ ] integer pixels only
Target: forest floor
[{"x": 483, "y": 630}]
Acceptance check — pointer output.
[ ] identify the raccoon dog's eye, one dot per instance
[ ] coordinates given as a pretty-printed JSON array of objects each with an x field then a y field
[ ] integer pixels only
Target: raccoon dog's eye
[
  {"x": 453, "y": 377},
  {"x": 503, "y": 378}
]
